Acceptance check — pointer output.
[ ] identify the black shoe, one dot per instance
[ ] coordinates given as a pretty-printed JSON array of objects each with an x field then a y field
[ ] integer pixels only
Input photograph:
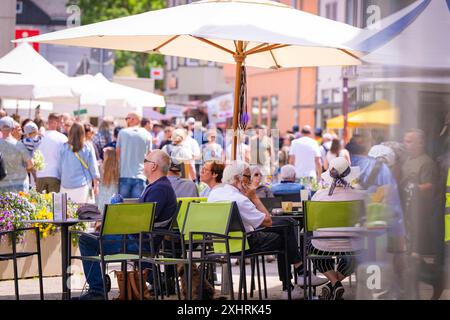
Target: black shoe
[
  {"x": 108, "y": 283},
  {"x": 327, "y": 291},
  {"x": 338, "y": 291},
  {"x": 90, "y": 295},
  {"x": 300, "y": 270}
]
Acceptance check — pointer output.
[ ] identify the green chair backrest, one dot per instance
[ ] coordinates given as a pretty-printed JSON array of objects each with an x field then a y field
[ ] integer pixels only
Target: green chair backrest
[
  {"x": 128, "y": 218},
  {"x": 378, "y": 212},
  {"x": 183, "y": 203},
  {"x": 217, "y": 217},
  {"x": 328, "y": 214}
]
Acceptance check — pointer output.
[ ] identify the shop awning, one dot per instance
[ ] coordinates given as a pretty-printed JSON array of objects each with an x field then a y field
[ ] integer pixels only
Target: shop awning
[{"x": 376, "y": 115}]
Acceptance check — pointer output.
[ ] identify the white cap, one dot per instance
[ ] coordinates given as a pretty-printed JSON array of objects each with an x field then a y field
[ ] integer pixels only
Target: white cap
[
  {"x": 7, "y": 123},
  {"x": 380, "y": 151},
  {"x": 190, "y": 120},
  {"x": 30, "y": 127}
]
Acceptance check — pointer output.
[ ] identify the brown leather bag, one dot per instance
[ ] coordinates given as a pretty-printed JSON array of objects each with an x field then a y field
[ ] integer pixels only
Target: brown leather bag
[{"x": 133, "y": 286}]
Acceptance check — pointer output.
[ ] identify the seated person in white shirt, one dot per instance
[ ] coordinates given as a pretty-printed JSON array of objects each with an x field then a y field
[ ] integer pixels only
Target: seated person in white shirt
[
  {"x": 237, "y": 187},
  {"x": 339, "y": 176}
]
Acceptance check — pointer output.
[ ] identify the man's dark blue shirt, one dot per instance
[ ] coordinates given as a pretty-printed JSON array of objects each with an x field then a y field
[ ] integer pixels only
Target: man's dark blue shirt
[{"x": 162, "y": 193}]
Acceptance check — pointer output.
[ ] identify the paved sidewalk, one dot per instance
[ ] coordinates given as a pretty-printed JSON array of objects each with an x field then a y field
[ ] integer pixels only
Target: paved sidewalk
[{"x": 29, "y": 288}]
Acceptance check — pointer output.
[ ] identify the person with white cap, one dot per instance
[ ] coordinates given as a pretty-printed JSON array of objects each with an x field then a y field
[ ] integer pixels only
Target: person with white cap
[
  {"x": 340, "y": 177},
  {"x": 180, "y": 153},
  {"x": 31, "y": 138},
  {"x": 16, "y": 159}
]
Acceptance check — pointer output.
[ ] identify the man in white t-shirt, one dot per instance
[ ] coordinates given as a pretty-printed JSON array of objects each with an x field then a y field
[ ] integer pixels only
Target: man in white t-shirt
[
  {"x": 50, "y": 147},
  {"x": 304, "y": 155}
]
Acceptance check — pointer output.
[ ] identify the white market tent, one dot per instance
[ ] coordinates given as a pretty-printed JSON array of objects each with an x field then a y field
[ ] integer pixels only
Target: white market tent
[
  {"x": 415, "y": 37},
  {"x": 38, "y": 79},
  {"x": 100, "y": 96}
]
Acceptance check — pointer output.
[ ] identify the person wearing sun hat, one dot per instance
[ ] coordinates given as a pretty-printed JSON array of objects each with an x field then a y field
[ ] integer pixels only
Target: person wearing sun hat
[{"x": 340, "y": 177}]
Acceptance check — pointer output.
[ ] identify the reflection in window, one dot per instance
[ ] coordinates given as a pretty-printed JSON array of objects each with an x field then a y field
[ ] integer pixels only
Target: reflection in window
[
  {"x": 255, "y": 111},
  {"x": 264, "y": 110},
  {"x": 274, "y": 111}
]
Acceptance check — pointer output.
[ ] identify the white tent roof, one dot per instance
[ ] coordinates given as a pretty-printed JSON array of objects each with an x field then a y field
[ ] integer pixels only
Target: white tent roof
[
  {"x": 99, "y": 91},
  {"x": 38, "y": 79},
  {"x": 416, "y": 36}
]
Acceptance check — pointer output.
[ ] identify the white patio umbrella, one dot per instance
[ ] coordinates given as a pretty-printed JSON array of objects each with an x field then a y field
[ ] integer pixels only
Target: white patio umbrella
[{"x": 255, "y": 33}]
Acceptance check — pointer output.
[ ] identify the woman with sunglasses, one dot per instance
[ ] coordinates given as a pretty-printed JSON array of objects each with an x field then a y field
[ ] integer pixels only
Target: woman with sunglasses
[{"x": 262, "y": 191}]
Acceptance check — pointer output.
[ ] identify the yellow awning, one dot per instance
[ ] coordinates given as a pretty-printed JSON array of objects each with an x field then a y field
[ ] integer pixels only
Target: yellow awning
[{"x": 378, "y": 114}]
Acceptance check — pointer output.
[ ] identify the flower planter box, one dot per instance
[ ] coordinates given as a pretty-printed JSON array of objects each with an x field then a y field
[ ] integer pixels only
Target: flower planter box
[{"x": 28, "y": 267}]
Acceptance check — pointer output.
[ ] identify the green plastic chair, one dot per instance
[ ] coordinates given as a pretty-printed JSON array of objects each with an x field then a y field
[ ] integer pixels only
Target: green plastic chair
[
  {"x": 219, "y": 224},
  {"x": 204, "y": 223},
  {"x": 183, "y": 203},
  {"x": 121, "y": 219},
  {"x": 327, "y": 214}
]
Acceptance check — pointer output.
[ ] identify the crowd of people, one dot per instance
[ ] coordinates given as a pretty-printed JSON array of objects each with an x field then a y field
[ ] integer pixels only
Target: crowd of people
[{"x": 144, "y": 158}]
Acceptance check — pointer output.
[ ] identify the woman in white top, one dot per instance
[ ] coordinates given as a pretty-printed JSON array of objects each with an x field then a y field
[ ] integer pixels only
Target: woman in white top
[{"x": 336, "y": 150}]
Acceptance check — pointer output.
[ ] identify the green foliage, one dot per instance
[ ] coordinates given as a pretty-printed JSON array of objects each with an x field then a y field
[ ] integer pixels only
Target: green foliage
[{"x": 95, "y": 11}]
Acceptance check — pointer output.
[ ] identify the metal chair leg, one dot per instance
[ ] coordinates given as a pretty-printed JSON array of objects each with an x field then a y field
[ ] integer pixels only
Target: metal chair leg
[
  {"x": 259, "y": 278},
  {"x": 103, "y": 271},
  {"x": 252, "y": 281},
  {"x": 264, "y": 277}
]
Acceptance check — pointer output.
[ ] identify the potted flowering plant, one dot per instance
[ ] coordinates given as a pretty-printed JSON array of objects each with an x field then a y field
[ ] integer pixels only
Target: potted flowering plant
[
  {"x": 14, "y": 210},
  {"x": 32, "y": 205}
]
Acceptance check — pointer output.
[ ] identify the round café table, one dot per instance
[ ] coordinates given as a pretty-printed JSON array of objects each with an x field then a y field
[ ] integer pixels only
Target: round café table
[{"x": 65, "y": 243}]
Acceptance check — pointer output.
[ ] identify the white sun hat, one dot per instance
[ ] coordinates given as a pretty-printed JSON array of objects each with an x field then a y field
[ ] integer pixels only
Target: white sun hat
[
  {"x": 340, "y": 167},
  {"x": 380, "y": 151}
]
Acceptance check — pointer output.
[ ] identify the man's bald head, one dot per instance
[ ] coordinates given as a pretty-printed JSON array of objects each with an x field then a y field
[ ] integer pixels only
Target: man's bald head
[
  {"x": 161, "y": 159},
  {"x": 133, "y": 119}
]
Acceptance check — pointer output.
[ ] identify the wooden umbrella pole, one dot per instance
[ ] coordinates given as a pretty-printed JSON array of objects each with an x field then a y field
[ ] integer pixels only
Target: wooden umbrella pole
[{"x": 239, "y": 57}]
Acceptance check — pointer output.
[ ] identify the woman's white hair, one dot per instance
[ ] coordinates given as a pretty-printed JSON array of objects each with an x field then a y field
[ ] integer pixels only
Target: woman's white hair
[
  {"x": 234, "y": 169},
  {"x": 287, "y": 172}
]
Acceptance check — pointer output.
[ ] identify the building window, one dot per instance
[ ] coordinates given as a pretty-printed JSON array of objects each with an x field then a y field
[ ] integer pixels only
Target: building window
[
  {"x": 331, "y": 10},
  {"x": 274, "y": 111},
  {"x": 264, "y": 110},
  {"x": 192, "y": 62},
  {"x": 181, "y": 61},
  {"x": 336, "y": 95},
  {"x": 326, "y": 96},
  {"x": 255, "y": 111},
  {"x": 19, "y": 7},
  {"x": 175, "y": 63},
  {"x": 350, "y": 12},
  {"x": 62, "y": 66}
]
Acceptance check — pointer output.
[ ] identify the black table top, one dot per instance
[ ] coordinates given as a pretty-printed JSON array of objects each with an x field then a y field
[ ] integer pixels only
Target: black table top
[{"x": 69, "y": 222}]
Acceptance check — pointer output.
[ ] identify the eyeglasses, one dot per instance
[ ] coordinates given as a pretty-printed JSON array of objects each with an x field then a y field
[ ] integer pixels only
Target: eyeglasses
[
  {"x": 247, "y": 176},
  {"x": 145, "y": 161},
  {"x": 257, "y": 174}
]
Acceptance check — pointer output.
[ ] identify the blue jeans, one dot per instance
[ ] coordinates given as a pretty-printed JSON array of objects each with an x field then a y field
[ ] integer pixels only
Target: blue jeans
[
  {"x": 130, "y": 187},
  {"x": 90, "y": 247}
]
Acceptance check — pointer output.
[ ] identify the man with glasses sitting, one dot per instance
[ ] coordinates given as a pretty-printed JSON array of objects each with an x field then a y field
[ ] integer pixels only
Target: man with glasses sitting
[{"x": 159, "y": 190}]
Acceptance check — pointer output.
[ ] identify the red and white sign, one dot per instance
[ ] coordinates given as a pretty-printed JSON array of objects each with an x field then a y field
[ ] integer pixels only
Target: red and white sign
[
  {"x": 25, "y": 33},
  {"x": 157, "y": 73}
]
